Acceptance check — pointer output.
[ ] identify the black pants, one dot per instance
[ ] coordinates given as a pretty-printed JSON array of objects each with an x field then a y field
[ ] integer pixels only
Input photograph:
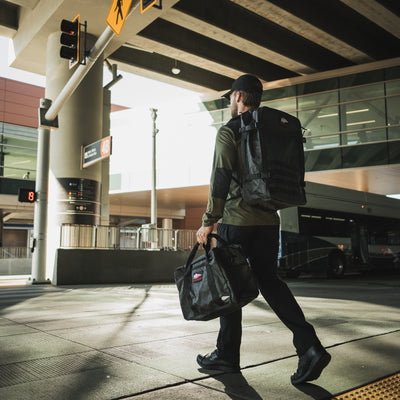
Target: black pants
[{"x": 261, "y": 244}]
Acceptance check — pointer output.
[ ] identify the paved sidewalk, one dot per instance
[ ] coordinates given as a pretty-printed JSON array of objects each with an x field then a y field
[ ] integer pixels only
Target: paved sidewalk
[{"x": 131, "y": 342}]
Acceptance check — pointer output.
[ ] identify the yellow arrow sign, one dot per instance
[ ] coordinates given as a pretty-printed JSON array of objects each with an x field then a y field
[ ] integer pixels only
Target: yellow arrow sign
[{"x": 117, "y": 14}]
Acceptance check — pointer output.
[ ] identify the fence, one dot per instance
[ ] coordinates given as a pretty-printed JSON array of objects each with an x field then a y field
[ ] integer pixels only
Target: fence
[
  {"x": 15, "y": 252},
  {"x": 114, "y": 237},
  {"x": 15, "y": 261}
]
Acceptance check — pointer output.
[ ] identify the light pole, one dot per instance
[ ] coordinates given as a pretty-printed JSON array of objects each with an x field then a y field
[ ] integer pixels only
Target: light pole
[{"x": 154, "y": 181}]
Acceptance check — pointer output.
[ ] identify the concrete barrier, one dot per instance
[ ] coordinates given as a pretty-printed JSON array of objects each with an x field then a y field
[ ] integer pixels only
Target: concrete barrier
[{"x": 97, "y": 266}]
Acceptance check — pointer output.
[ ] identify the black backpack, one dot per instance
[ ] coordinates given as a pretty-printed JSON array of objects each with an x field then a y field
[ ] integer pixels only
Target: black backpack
[{"x": 272, "y": 175}]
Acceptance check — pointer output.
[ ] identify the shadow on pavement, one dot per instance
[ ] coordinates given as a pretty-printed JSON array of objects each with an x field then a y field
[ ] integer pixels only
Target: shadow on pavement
[
  {"x": 314, "y": 391},
  {"x": 344, "y": 288},
  {"x": 236, "y": 387},
  {"x": 86, "y": 388},
  {"x": 96, "y": 365}
]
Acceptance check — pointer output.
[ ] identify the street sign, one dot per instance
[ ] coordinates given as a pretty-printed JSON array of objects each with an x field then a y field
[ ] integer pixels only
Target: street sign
[
  {"x": 146, "y": 5},
  {"x": 117, "y": 14},
  {"x": 96, "y": 151}
]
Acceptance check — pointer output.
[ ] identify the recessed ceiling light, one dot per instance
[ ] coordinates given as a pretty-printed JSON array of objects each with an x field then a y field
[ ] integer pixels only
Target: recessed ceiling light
[{"x": 175, "y": 69}]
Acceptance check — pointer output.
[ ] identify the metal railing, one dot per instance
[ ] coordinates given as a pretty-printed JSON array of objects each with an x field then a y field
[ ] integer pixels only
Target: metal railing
[
  {"x": 15, "y": 252},
  {"x": 114, "y": 237}
]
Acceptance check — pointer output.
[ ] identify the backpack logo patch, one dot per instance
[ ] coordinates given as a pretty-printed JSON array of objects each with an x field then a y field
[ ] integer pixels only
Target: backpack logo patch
[
  {"x": 197, "y": 277},
  {"x": 284, "y": 121}
]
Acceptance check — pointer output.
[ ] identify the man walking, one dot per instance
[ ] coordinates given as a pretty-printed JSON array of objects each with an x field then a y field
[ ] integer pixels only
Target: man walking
[{"x": 257, "y": 231}]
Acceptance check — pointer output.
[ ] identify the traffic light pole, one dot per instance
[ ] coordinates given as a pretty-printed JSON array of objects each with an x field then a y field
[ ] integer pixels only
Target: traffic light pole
[
  {"x": 40, "y": 215},
  {"x": 48, "y": 112}
]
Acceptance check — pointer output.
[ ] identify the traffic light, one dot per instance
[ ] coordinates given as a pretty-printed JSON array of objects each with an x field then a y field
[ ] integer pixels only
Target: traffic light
[
  {"x": 70, "y": 40},
  {"x": 26, "y": 195}
]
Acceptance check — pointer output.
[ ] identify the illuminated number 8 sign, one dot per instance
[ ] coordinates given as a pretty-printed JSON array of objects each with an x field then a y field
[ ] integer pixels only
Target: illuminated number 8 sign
[{"x": 26, "y": 195}]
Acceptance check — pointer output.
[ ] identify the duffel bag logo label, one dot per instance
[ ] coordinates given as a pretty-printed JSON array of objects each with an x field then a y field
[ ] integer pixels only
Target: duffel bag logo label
[
  {"x": 284, "y": 121},
  {"x": 197, "y": 277}
]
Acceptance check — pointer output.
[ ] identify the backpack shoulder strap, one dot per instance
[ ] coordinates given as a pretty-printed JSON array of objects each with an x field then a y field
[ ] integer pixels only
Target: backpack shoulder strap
[{"x": 234, "y": 125}]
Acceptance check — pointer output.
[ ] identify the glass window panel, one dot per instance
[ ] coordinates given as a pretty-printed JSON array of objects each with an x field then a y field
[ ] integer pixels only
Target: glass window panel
[
  {"x": 394, "y": 152},
  {"x": 392, "y": 88},
  {"x": 19, "y": 157},
  {"x": 215, "y": 104},
  {"x": 362, "y": 78},
  {"x": 318, "y": 100},
  {"x": 392, "y": 73},
  {"x": 287, "y": 105},
  {"x": 320, "y": 160},
  {"x": 13, "y": 142},
  {"x": 365, "y": 155},
  {"x": 394, "y": 133},
  {"x": 393, "y": 110},
  {"x": 317, "y": 86},
  {"x": 321, "y": 120},
  {"x": 219, "y": 117},
  {"x": 363, "y": 92},
  {"x": 363, "y": 114},
  {"x": 364, "y": 136},
  {"x": 279, "y": 93},
  {"x": 321, "y": 142},
  {"x": 18, "y": 173}
]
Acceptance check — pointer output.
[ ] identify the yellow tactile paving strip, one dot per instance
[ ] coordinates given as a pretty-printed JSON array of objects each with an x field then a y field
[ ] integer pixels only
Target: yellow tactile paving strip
[{"x": 385, "y": 389}]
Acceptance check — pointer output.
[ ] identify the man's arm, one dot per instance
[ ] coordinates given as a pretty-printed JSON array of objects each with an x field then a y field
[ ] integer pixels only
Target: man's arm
[{"x": 224, "y": 163}]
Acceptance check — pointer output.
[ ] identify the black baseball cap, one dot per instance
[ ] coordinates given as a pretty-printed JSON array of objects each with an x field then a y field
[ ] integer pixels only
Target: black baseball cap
[{"x": 247, "y": 83}]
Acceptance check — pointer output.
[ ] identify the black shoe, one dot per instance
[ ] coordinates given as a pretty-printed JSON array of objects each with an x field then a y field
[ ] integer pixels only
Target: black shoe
[
  {"x": 212, "y": 361},
  {"x": 311, "y": 364}
]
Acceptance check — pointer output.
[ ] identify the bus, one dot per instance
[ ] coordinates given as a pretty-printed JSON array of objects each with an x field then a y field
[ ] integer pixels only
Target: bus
[{"x": 339, "y": 230}]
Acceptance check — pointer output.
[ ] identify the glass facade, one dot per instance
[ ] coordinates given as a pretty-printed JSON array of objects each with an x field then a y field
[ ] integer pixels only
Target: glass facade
[
  {"x": 349, "y": 121},
  {"x": 18, "y": 151}
]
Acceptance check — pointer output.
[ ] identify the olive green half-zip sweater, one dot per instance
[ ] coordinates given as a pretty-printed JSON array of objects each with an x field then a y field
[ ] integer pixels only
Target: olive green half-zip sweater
[{"x": 225, "y": 203}]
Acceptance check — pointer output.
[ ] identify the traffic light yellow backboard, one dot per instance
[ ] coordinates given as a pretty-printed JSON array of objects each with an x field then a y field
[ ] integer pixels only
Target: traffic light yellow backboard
[{"x": 117, "y": 14}]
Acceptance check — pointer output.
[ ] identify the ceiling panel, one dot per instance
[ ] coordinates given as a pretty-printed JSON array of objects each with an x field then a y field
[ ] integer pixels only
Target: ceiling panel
[
  {"x": 274, "y": 39},
  {"x": 191, "y": 42},
  {"x": 391, "y": 5},
  {"x": 251, "y": 26}
]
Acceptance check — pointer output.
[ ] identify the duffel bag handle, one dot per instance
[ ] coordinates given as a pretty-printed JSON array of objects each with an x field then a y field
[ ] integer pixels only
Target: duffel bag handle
[
  {"x": 206, "y": 247},
  {"x": 219, "y": 238},
  {"x": 192, "y": 254}
]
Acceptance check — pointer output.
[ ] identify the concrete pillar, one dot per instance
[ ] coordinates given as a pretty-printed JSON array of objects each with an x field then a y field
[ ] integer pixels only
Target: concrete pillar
[
  {"x": 74, "y": 193},
  {"x": 167, "y": 233},
  {"x": 167, "y": 223}
]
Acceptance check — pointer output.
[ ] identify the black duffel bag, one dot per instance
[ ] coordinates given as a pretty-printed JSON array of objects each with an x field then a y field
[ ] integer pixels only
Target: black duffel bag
[{"x": 216, "y": 283}]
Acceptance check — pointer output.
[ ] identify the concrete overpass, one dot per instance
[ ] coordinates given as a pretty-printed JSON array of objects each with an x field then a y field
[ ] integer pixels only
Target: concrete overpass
[{"x": 214, "y": 41}]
